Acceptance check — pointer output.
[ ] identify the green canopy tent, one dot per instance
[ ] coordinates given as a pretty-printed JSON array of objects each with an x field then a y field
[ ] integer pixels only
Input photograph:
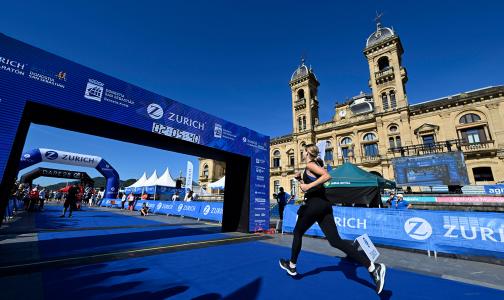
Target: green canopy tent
[{"x": 352, "y": 185}]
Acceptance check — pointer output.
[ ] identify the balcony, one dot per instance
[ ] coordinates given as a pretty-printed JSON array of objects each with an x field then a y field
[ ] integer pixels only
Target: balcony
[
  {"x": 384, "y": 75},
  {"x": 370, "y": 160},
  {"x": 300, "y": 104},
  {"x": 446, "y": 146}
]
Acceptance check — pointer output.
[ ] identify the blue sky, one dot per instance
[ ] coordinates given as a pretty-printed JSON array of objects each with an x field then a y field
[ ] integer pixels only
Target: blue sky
[{"x": 233, "y": 59}]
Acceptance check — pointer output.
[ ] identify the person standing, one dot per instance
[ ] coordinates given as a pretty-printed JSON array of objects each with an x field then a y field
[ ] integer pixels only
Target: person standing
[
  {"x": 400, "y": 203},
  {"x": 123, "y": 200},
  {"x": 70, "y": 201},
  {"x": 282, "y": 199},
  {"x": 189, "y": 196},
  {"x": 317, "y": 208},
  {"x": 42, "y": 198}
]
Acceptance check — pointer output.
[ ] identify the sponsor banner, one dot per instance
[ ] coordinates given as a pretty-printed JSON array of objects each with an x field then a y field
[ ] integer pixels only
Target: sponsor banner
[
  {"x": 471, "y": 199},
  {"x": 150, "y": 189},
  {"x": 414, "y": 199},
  {"x": 188, "y": 209},
  {"x": 469, "y": 233},
  {"x": 128, "y": 190},
  {"x": 494, "y": 189},
  {"x": 69, "y": 158},
  {"x": 189, "y": 176},
  {"x": 211, "y": 211}
]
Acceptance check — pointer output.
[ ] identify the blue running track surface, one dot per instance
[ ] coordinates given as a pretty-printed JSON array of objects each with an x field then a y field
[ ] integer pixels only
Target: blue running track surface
[{"x": 245, "y": 271}]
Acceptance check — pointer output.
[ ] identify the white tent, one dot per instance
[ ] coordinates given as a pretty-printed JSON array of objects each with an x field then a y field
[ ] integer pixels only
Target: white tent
[
  {"x": 166, "y": 180},
  {"x": 152, "y": 180},
  {"x": 139, "y": 182},
  {"x": 219, "y": 184}
]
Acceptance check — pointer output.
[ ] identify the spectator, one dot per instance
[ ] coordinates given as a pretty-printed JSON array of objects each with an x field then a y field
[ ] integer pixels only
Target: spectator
[
  {"x": 42, "y": 198},
  {"x": 391, "y": 198},
  {"x": 123, "y": 200},
  {"x": 131, "y": 201},
  {"x": 189, "y": 196},
  {"x": 400, "y": 203},
  {"x": 145, "y": 210},
  {"x": 175, "y": 196},
  {"x": 282, "y": 199},
  {"x": 145, "y": 196}
]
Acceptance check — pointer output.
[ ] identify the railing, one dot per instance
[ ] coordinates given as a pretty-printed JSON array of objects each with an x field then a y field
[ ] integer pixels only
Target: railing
[
  {"x": 442, "y": 147},
  {"x": 386, "y": 72},
  {"x": 371, "y": 159},
  {"x": 300, "y": 102}
]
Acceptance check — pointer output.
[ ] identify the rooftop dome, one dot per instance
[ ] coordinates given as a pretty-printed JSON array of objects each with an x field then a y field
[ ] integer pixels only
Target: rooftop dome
[
  {"x": 381, "y": 34},
  {"x": 301, "y": 71}
]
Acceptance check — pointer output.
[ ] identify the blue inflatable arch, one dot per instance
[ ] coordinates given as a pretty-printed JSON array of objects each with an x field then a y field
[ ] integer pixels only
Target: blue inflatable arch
[{"x": 36, "y": 156}]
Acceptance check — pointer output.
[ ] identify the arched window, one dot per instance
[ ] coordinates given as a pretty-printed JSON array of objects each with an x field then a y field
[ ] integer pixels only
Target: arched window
[
  {"x": 391, "y": 142},
  {"x": 393, "y": 102},
  {"x": 368, "y": 137},
  {"x": 384, "y": 101},
  {"x": 346, "y": 141},
  {"x": 393, "y": 128},
  {"x": 276, "y": 159},
  {"x": 469, "y": 118},
  {"x": 383, "y": 63},
  {"x": 328, "y": 152},
  {"x": 205, "y": 171},
  {"x": 300, "y": 94}
]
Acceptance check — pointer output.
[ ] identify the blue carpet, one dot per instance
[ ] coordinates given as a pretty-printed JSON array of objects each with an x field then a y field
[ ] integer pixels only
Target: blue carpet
[
  {"x": 244, "y": 271},
  {"x": 88, "y": 217},
  {"x": 86, "y": 242}
]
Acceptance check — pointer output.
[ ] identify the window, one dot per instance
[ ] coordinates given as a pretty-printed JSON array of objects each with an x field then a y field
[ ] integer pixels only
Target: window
[
  {"x": 371, "y": 149},
  {"x": 291, "y": 160},
  {"x": 469, "y": 118},
  {"x": 304, "y": 122},
  {"x": 483, "y": 174},
  {"x": 384, "y": 101},
  {"x": 428, "y": 140},
  {"x": 293, "y": 183},
  {"x": 205, "y": 171},
  {"x": 344, "y": 152},
  {"x": 383, "y": 63},
  {"x": 474, "y": 135},
  {"x": 329, "y": 154},
  {"x": 369, "y": 137},
  {"x": 346, "y": 141},
  {"x": 391, "y": 142},
  {"x": 300, "y": 123},
  {"x": 393, "y": 128},
  {"x": 393, "y": 103},
  {"x": 300, "y": 94},
  {"x": 398, "y": 141},
  {"x": 276, "y": 186},
  {"x": 276, "y": 159}
]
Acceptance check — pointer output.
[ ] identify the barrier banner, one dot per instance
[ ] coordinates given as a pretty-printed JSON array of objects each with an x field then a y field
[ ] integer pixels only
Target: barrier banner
[
  {"x": 470, "y": 233},
  {"x": 413, "y": 199},
  {"x": 211, "y": 211},
  {"x": 497, "y": 189},
  {"x": 188, "y": 209}
]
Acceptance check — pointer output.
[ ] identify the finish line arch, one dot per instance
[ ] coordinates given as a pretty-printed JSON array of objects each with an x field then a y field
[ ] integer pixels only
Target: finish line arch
[
  {"x": 42, "y": 88},
  {"x": 36, "y": 156},
  {"x": 55, "y": 173}
]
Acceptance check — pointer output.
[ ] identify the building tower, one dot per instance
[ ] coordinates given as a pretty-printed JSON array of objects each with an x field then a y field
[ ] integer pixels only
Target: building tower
[
  {"x": 305, "y": 105},
  {"x": 387, "y": 75}
]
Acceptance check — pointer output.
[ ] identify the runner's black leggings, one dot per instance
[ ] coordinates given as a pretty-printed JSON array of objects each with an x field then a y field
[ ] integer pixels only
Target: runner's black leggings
[{"x": 320, "y": 211}]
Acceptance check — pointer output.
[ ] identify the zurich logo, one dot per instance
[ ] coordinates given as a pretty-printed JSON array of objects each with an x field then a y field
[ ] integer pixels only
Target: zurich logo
[
  {"x": 159, "y": 206},
  {"x": 418, "y": 228},
  {"x": 155, "y": 111},
  {"x": 51, "y": 155},
  {"x": 244, "y": 139},
  {"x": 27, "y": 156},
  {"x": 206, "y": 210},
  {"x": 179, "y": 208}
]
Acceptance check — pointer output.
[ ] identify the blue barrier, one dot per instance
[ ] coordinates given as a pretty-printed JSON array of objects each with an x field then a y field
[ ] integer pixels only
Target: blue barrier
[
  {"x": 414, "y": 199},
  {"x": 470, "y": 233},
  {"x": 211, "y": 211}
]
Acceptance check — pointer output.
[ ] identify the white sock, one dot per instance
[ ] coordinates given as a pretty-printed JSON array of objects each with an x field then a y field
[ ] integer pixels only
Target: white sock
[
  {"x": 292, "y": 265},
  {"x": 371, "y": 268}
]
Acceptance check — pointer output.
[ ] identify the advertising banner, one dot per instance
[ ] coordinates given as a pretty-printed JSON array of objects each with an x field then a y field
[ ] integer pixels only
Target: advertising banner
[{"x": 469, "y": 233}]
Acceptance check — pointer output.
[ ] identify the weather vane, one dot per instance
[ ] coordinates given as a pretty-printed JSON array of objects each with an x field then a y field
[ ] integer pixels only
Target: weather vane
[{"x": 378, "y": 18}]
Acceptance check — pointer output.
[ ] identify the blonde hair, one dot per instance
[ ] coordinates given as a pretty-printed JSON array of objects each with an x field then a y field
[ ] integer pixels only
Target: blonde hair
[{"x": 314, "y": 151}]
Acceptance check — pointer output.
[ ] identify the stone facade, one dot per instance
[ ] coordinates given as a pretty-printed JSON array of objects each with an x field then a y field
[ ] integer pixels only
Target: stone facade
[{"x": 371, "y": 129}]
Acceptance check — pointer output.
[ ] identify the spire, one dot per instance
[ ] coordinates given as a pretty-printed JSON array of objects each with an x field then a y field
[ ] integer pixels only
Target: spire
[{"x": 378, "y": 20}]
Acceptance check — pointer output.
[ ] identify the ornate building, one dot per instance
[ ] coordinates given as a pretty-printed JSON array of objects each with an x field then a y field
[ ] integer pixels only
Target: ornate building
[{"x": 371, "y": 129}]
